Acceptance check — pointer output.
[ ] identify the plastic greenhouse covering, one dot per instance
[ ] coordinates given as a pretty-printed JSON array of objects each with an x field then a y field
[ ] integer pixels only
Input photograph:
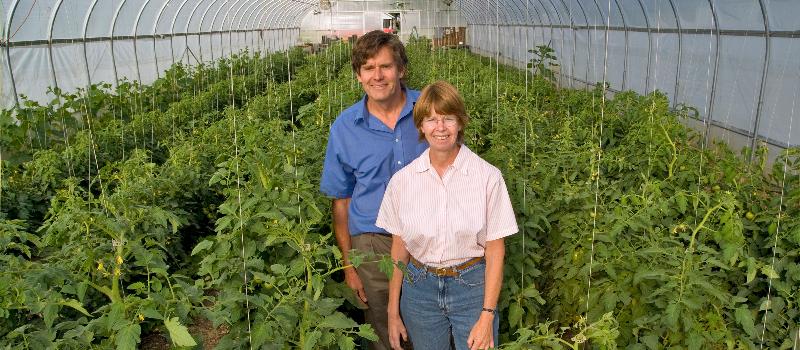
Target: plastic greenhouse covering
[
  {"x": 229, "y": 154},
  {"x": 732, "y": 60},
  {"x": 70, "y": 44}
]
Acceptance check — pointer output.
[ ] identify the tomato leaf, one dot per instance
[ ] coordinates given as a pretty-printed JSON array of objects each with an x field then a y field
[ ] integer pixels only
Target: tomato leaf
[
  {"x": 337, "y": 321},
  {"x": 128, "y": 337},
  {"x": 178, "y": 333},
  {"x": 205, "y": 244}
]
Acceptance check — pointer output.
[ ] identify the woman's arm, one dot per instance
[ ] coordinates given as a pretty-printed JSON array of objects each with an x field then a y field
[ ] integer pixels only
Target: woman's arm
[
  {"x": 482, "y": 335},
  {"x": 396, "y": 327}
]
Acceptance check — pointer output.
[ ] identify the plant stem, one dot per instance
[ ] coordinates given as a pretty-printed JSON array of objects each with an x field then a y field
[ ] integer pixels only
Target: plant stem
[{"x": 690, "y": 249}]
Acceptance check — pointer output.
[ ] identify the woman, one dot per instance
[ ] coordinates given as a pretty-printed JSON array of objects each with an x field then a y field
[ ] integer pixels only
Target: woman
[{"x": 449, "y": 212}]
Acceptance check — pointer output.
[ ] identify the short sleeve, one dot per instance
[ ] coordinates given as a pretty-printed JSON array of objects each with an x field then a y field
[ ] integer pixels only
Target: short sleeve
[
  {"x": 500, "y": 219},
  {"x": 387, "y": 214},
  {"x": 338, "y": 179}
]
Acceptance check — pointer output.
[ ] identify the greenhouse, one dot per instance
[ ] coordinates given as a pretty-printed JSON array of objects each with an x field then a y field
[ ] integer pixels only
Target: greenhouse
[{"x": 161, "y": 166}]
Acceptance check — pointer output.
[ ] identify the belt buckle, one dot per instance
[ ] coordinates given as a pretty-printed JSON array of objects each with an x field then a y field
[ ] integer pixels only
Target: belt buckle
[{"x": 441, "y": 271}]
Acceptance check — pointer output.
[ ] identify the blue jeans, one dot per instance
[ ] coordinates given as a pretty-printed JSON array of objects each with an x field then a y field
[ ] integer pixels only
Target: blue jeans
[{"x": 434, "y": 306}]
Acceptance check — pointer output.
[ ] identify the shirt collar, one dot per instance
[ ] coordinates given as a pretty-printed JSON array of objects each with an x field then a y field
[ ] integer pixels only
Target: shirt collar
[
  {"x": 363, "y": 114},
  {"x": 461, "y": 163}
]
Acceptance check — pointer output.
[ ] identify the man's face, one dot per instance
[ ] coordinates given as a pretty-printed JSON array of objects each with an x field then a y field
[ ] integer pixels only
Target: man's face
[{"x": 380, "y": 76}]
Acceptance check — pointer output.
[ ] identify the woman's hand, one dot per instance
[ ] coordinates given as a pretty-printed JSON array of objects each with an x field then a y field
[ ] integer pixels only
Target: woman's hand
[
  {"x": 396, "y": 330},
  {"x": 482, "y": 335}
]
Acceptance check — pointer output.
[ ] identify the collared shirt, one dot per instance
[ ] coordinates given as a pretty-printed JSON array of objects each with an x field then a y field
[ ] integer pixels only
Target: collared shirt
[
  {"x": 362, "y": 154},
  {"x": 447, "y": 220}
]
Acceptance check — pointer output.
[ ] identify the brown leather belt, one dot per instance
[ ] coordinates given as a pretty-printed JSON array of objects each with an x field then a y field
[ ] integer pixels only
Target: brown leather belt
[{"x": 451, "y": 271}]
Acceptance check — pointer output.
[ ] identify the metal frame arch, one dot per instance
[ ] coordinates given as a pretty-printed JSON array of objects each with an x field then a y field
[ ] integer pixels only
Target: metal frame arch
[
  {"x": 270, "y": 46},
  {"x": 707, "y": 120},
  {"x": 111, "y": 35},
  {"x": 604, "y": 24},
  {"x": 135, "y": 37},
  {"x": 297, "y": 19},
  {"x": 252, "y": 18},
  {"x": 263, "y": 21},
  {"x": 202, "y": 17},
  {"x": 244, "y": 11},
  {"x": 216, "y": 15},
  {"x": 560, "y": 22},
  {"x": 85, "y": 53},
  {"x": 253, "y": 5},
  {"x": 538, "y": 16},
  {"x": 649, "y": 46},
  {"x": 478, "y": 14},
  {"x": 172, "y": 30},
  {"x": 588, "y": 40},
  {"x": 50, "y": 25},
  {"x": 512, "y": 17},
  {"x": 680, "y": 53},
  {"x": 228, "y": 19},
  {"x": 470, "y": 18},
  {"x": 764, "y": 73},
  {"x": 189, "y": 23},
  {"x": 200, "y": 30},
  {"x": 251, "y": 23},
  {"x": 262, "y": 18},
  {"x": 625, "y": 59},
  {"x": 284, "y": 21},
  {"x": 188, "y": 19},
  {"x": 155, "y": 36},
  {"x": 555, "y": 9},
  {"x": 549, "y": 19},
  {"x": 506, "y": 10},
  {"x": 161, "y": 14},
  {"x": 8, "y": 51},
  {"x": 266, "y": 21},
  {"x": 237, "y": 4},
  {"x": 574, "y": 40},
  {"x": 212, "y": 31},
  {"x": 466, "y": 9}
]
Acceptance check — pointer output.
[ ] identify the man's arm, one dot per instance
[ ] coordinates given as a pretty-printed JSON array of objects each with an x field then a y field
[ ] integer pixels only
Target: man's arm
[{"x": 342, "y": 233}]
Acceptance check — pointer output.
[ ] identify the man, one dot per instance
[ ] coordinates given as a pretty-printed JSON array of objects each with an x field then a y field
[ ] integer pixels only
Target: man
[{"x": 368, "y": 143}]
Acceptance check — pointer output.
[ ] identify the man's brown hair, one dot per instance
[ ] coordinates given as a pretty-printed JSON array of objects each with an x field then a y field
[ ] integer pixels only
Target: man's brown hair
[
  {"x": 445, "y": 100},
  {"x": 368, "y": 45}
]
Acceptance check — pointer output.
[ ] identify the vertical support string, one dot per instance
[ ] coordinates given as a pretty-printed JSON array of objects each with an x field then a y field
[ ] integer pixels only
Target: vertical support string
[
  {"x": 239, "y": 200},
  {"x": 778, "y": 222},
  {"x": 599, "y": 154}
]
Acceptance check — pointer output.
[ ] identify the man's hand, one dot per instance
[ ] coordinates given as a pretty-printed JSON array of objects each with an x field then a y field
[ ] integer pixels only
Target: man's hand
[
  {"x": 397, "y": 330},
  {"x": 354, "y": 282},
  {"x": 482, "y": 335}
]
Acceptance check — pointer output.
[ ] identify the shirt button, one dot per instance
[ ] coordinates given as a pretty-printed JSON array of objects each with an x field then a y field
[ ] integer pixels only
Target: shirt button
[
  {"x": 396, "y": 140},
  {"x": 399, "y": 162}
]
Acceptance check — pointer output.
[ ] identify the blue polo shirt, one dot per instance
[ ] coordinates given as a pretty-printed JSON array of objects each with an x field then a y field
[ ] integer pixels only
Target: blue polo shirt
[{"x": 362, "y": 154}]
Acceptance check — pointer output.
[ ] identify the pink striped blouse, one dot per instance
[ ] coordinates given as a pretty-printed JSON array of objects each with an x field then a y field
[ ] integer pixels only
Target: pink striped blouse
[{"x": 446, "y": 221}]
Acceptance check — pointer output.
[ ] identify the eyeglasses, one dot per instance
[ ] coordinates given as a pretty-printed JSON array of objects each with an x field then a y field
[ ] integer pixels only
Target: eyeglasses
[{"x": 448, "y": 120}]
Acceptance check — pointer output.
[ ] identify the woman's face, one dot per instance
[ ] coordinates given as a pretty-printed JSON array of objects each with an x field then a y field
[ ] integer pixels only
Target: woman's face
[{"x": 441, "y": 131}]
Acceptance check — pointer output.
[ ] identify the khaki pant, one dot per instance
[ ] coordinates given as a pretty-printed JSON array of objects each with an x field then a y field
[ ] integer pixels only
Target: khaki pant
[{"x": 376, "y": 283}]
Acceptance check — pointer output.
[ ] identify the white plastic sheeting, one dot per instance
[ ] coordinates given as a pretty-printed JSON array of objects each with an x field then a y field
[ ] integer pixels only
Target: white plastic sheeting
[
  {"x": 732, "y": 60},
  {"x": 70, "y": 44}
]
